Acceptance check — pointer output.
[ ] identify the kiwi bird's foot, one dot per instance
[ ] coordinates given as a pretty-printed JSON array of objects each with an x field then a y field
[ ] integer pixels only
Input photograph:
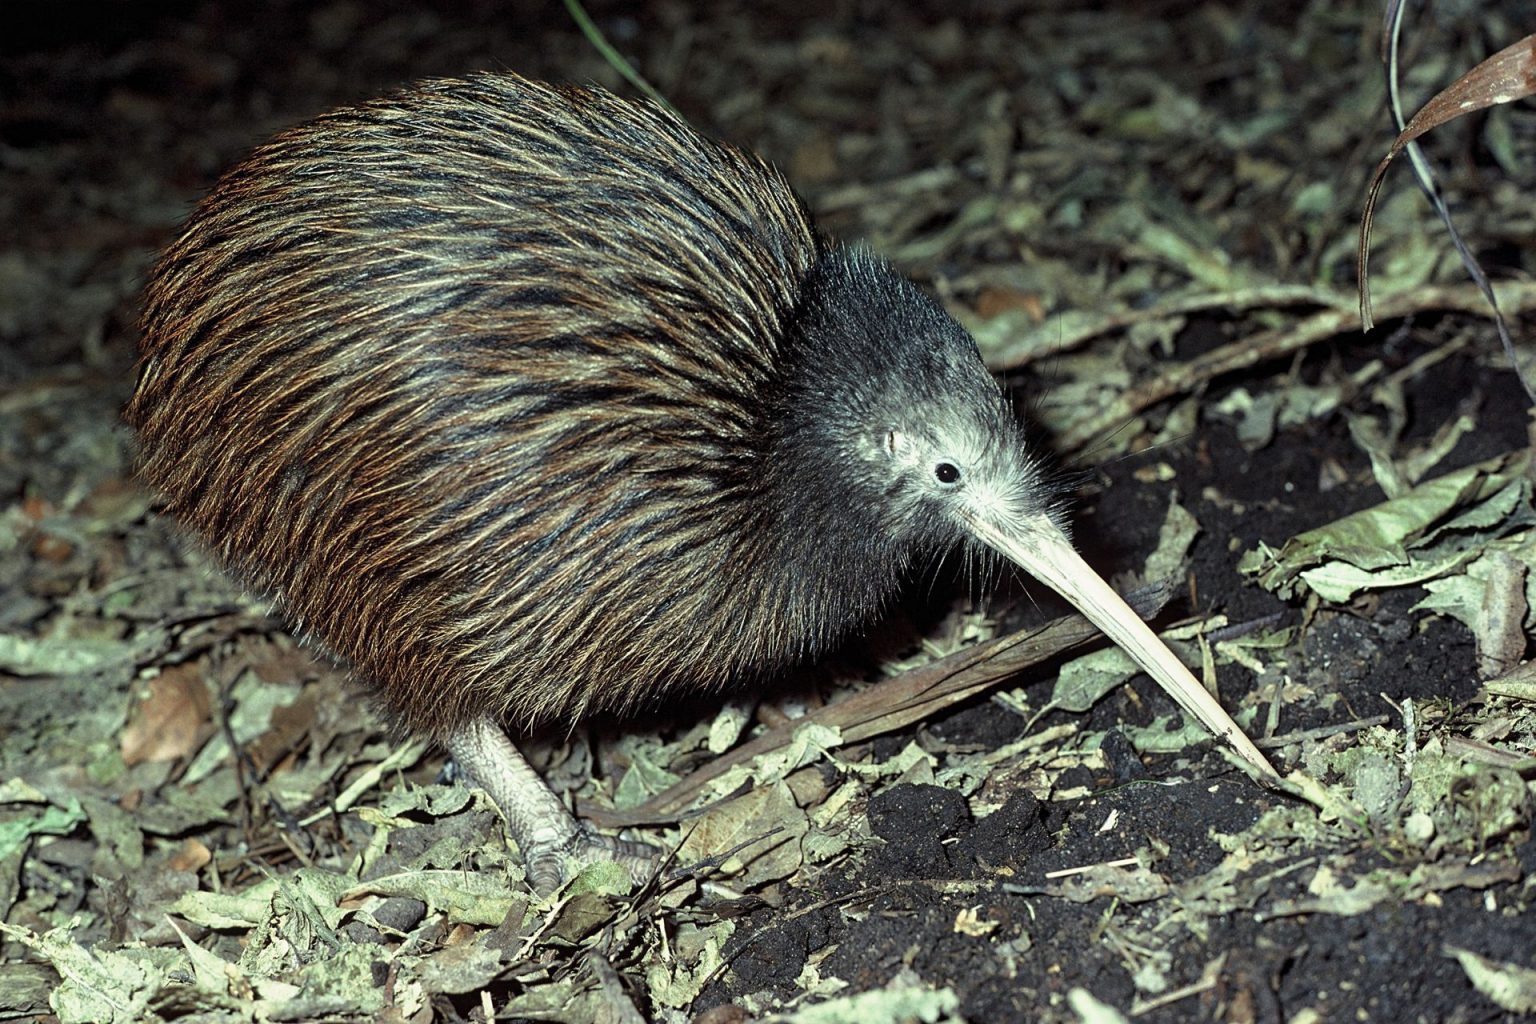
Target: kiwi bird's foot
[
  {"x": 549, "y": 868},
  {"x": 553, "y": 843}
]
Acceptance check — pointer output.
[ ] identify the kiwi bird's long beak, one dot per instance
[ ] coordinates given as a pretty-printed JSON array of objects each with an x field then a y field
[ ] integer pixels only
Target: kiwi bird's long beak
[{"x": 1040, "y": 548}]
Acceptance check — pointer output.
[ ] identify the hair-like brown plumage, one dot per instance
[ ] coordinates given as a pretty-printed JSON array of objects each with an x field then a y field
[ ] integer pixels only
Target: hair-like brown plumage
[
  {"x": 484, "y": 381},
  {"x": 529, "y": 401}
]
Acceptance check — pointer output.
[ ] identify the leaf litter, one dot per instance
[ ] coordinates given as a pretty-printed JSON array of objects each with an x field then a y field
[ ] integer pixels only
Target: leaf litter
[{"x": 1148, "y": 222}]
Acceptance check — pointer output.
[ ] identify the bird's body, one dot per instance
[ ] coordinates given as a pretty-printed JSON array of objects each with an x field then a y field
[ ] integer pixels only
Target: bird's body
[
  {"x": 498, "y": 411},
  {"x": 529, "y": 401}
]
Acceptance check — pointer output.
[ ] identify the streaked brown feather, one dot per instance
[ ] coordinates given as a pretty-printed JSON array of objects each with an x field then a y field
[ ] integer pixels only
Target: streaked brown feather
[{"x": 479, "y": 380}]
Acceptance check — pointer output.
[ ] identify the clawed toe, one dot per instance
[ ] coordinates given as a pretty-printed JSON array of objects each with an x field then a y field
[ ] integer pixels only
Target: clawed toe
[{"x": 551, "y": 865}]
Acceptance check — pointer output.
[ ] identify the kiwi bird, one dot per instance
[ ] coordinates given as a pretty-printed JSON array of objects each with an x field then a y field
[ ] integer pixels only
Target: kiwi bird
[{"x": 528, "y": 401}]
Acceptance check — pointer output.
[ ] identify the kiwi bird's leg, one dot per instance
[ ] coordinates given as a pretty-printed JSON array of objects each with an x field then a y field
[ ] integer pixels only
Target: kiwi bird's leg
[{"x": 549, "y": 837}]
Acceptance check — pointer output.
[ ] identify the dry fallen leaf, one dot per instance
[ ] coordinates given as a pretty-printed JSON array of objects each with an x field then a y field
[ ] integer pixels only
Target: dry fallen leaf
[
  {"x": 172, "y": 719},
  {"x": 192, "y": 855},
  {"x": 1507, "y": 76}
]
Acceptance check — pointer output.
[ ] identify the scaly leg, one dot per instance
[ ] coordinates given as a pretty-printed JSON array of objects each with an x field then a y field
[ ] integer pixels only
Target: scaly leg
[{"x": 549, "y": 836}]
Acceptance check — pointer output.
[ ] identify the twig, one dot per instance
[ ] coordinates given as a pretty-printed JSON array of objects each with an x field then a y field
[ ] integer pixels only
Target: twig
[
  {"x": 889, "y": 705},
  {"x": 1321, "y": 732},
  {"x": 1519, "y": 297},
  {"x": 1068, "y": 332}
]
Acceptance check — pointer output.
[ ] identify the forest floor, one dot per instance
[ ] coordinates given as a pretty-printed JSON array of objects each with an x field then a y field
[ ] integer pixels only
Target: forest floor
[{"x": 1147, "y": 215}]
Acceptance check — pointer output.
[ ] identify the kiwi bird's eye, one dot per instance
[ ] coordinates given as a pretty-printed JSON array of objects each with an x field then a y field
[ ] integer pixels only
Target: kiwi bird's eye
[
  {"x": 890, "y": 442},
  {"x": 946, "y": 473}
]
